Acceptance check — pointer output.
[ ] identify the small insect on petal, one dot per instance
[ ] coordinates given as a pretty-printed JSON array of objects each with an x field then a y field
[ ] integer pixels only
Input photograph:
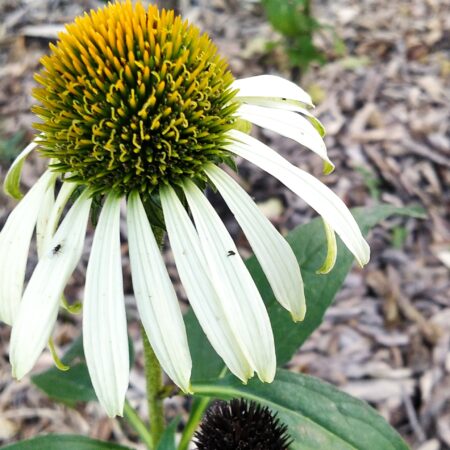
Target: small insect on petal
[{"x": 56, "y": 249}]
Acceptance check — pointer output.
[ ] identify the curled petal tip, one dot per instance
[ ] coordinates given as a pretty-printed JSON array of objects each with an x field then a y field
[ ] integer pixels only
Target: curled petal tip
[
  {"x": 298, "y": 317},
  {"x": 365, "y": 257},
  {"x": 363, "y": 262},
  {"x": 11, "y": 184},
  {"x": 247, "y": 376},
  {"x": 328, "y": 167},
  {"x": 16, "y": 373},
  {"x": 325, "y": 269},
  {"x": 112, "y": 413},
  {"x": 267, "y": 377},
  {"x": 188, "y": 390}
]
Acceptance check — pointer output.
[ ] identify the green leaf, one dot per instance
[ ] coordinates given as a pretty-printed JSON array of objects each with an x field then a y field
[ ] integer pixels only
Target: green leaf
[
  {"x": 309, "y": 245},
  {"x": 74, "y": 385},
  {"x": 167, "y": 441},
  {"x": 290, "y": 18},
  {"x": 69, "y": 387},
  {"x": 205, "y": 361},
  {"x": 318, "y": 415},
  {"x": 66, "y": 442}
]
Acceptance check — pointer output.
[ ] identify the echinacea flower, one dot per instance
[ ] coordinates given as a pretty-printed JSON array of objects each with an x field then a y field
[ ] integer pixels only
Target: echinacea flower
[
  {"x": 137, "y": 105},
  {"x": 240, "y": 425}
]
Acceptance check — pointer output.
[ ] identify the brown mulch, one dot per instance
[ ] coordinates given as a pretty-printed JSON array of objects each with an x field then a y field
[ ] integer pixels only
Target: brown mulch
[{"x": 386, "y": 107}]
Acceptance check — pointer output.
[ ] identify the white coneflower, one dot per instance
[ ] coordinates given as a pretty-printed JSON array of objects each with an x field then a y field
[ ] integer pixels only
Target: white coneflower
[{"x": 137, "y": 105}]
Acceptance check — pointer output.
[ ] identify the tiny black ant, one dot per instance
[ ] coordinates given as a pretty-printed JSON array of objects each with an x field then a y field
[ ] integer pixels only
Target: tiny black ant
[
  {"x": 231, "y": 253},
  {"x": 56, "y": 249}
]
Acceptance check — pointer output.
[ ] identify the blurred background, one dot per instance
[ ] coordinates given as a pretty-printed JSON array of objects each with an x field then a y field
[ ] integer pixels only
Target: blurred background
[{"x": 379, "y": 73}]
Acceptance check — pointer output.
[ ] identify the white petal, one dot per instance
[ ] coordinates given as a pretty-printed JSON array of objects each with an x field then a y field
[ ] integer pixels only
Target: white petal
[
  {"x": 43, "y": 218},
  {"x": 273, "y": 252},
  {"x": 63, "y": 197},
  {"x": 289, "y": 124},
  {"x": 245, "y": 309},
  {"x": 278, "y": 103},
  {"x": 315, "y": 193},
  {"x": 15, "y": 240},
  {"x": 270, "y": 86},
  {"x": 207, "y": 305},
  {"x": 156, "y": 298},
  {"x": 39, "y": 306},
  {"x": 105, "y": 338},
  {"x": 12, "y": 179}
]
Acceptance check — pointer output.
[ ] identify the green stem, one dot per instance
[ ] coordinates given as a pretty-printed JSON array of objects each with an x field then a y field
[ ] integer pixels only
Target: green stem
[
  {"x": 138, "y": 425},
  {"x": 199, "y": 407},
  {"x": 153, "y": 371},
  {"x": 155, "y": 390}
]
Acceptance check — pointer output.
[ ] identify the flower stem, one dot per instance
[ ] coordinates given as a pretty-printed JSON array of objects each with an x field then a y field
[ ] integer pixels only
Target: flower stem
[
  {"x": 155, "y": 389},
  {"x": 138, "y": 425},
  {"x": 198, "y": 408}
]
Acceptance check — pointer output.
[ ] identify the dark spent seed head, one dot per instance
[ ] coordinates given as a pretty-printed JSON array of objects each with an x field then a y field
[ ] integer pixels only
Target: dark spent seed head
[{"x": 241, "y": 425}]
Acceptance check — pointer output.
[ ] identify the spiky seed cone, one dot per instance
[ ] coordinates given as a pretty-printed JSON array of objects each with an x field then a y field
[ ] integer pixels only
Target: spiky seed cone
[
  {"x": 132, "y": 99},
  {"x": 241, "y": 425}
]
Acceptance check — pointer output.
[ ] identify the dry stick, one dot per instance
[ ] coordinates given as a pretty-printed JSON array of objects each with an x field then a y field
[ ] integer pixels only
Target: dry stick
[{"x": 412, "y": 417}]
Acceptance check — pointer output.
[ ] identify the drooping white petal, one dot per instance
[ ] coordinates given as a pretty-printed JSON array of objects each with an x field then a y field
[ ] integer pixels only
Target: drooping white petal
[
  {"x": 273, "y": 252},
  {"x": 207, "y": 304},
  {"x": 63, "y": 197},
  {"x": 15, "y": 240},
  {"x": 12, "y": 180},
  {"x": 156, "y": 298},
  {"x": 270, "y": 86},
  {"x": 289, "y": 124},
  {"x": 105, "y": 339},
  {"x": 245, "y": 309},
  {"x": 43, "y": 217},
  {"x": 315, "y": 193},
  {"x": 278, "y": 103},
  {"x": 39, "y": 306}
]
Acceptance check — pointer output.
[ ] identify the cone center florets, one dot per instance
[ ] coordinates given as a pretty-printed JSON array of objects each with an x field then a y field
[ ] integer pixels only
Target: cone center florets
[{"x": 132, "y": 99}]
